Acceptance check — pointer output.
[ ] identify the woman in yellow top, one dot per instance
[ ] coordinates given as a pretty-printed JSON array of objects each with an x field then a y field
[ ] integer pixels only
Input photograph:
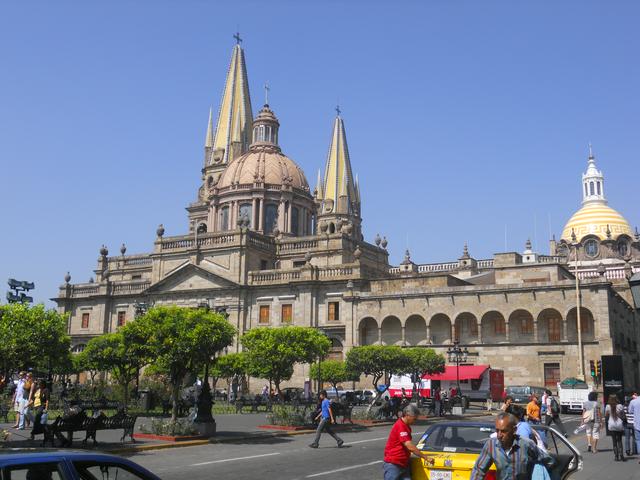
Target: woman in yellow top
[
  {"x": 533, "y": 410},
  {"x": 41, "y": 406}
]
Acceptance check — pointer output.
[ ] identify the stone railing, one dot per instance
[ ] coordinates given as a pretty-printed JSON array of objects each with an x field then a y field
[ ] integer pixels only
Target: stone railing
[
  {"x": 333, "y": 272},
  {"x": 204, "y": 240},
  {"x": 130, "y": 260},
  {"x": 485, "y": 263},
  {"x": 265, "y": 243},
  {"x": 84, "y": 290},
  {"x": 130, "y": 287},
  {"x": 274, "y": 276},
  {"x": 302, "y": 274},
  {"x": 293, "y": 245},
  {"x": 617, "y": 273},
  {"x": 551, "y": 259},
  {"x": 437, "y": 267}
]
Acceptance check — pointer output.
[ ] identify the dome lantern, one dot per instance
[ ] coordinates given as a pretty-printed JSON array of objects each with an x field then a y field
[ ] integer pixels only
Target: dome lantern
[{"x": 265, "y": 128}]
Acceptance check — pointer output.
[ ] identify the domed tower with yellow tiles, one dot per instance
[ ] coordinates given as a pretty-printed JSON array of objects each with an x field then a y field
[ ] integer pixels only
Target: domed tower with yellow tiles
[{"x": 601, "y": 233}]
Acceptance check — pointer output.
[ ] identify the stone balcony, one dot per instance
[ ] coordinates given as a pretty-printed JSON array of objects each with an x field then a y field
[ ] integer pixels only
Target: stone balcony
[{"x": 304, "y": 274}]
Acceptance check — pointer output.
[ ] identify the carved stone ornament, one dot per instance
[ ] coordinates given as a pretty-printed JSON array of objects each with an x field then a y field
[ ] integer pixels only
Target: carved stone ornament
[
  {"x": 384, "y": 243},
  {"x": 323, "y": 227},
  {"x": 357, "y": 252},
  {"x": 377, "y": 240},
  {"x": 67, "y": 278},
  {"x": 104, "y": 251},
  {"x": 160, "y": 230}
]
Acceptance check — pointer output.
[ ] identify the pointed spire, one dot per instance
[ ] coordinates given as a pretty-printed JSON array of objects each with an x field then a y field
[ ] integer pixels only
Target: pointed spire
[
  {"x": 209, "y": 139},
  {"x": 319, "y": 188},
  {"x": 235, "y": 117},
  {"x": 357, "y": 185},
  {"x": 338, "y": 179},
  {"x": 593, "y": 182}
]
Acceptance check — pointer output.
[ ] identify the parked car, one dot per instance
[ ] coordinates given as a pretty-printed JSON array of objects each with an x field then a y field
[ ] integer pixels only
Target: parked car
[
  {"x": 522, "y": 393},
  {"x": 455, "y": 446},
  {"x": 68, "y": 465}
]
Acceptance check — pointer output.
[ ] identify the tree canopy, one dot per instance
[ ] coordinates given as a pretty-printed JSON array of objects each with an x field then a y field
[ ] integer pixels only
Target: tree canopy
[
  {"x": 272, "y": 352},
  {"x": 334, "y": 372},
  {"x": 33, "y": 337}
]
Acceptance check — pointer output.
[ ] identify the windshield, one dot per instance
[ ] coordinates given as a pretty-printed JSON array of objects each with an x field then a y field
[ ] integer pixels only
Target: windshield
[
  {"x": 517, "y": 390},
  {"x": 457, "y": 438}
]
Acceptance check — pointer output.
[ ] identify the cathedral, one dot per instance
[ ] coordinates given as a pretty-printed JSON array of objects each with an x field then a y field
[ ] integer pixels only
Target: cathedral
[{"x": 268, "y": 250}]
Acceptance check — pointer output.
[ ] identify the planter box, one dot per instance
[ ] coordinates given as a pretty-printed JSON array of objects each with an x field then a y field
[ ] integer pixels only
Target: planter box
[{"x": 169, "y": 438}]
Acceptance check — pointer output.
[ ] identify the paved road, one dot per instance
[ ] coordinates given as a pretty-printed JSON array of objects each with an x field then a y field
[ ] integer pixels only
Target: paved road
[{"x": 289, "y": 458}]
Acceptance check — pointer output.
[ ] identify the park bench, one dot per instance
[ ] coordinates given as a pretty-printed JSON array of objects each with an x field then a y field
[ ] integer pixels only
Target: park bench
[
  {"x": 77, "y": 420},
  {"x": 342, "y": 410},
  {"x": 254, "y": 402}
]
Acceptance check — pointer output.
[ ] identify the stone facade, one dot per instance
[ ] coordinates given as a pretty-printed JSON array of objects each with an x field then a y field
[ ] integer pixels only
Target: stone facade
[{"x": 285, "y": 255}]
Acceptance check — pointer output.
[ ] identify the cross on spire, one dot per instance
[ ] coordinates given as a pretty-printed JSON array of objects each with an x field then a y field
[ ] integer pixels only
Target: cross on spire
[
  {"x": 266, "y": 93},
  {"x": 338, "y": 111},
  {"x": 237, "y": 37},
  {"x": 590, "y": 151}
]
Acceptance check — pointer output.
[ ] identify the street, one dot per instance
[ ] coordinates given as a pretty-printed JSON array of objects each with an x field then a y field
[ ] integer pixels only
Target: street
[{"x": 289, "y": 458}]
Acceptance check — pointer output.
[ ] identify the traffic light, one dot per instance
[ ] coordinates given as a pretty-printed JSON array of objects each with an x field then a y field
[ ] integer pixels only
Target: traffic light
[
  {"x": 592, "y": 364},
  {"x": 599, "y": 368}
]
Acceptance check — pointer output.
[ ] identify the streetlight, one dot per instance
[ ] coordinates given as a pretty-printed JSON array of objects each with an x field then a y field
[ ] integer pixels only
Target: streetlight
[
  {"x": 575, "y": 244},
  {"x": 457, "y": 354},
  {"x": 19, "y": 288}
]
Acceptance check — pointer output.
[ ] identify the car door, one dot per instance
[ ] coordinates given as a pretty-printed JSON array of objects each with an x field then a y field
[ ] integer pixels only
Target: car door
[
  {"x": 567, "y": 458},
  {"x": 111, "y": 470}
]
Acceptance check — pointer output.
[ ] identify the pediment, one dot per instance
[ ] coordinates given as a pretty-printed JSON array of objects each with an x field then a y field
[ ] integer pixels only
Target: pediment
[{"x": 190, "y": 277}]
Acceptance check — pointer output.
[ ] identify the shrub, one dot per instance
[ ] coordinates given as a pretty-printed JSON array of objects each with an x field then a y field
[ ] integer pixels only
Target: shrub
[
  {"x": 288, "y": 416},
  {"x": 158, "y": 426}
]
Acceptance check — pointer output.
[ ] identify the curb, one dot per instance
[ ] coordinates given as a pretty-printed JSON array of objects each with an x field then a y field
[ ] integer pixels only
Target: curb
[{"x": 214, "y": 440}]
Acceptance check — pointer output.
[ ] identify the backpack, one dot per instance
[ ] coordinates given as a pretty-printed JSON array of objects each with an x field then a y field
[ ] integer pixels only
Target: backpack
[{"x": 555, "y": 407}]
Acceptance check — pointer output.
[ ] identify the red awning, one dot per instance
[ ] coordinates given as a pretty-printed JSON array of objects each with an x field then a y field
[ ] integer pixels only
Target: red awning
[{"x": 467, "y": 372}]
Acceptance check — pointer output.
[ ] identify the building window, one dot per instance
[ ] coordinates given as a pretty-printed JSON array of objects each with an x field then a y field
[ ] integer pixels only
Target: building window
[
  {"x": 586, "y": 190},
  {"x": 623, "y": 248},
  {"x": 499, "y": 327},
  {"x": 591, "y": 190},
  {"x": 473, "y": 327},
  {"x": 287, "y": 313},
  {"x": 270, "y": 217},
  {"x": 85, "y": 320},
  {"x": 122, "y": 318},
  {"x": 526, "y": 326},
  {"x": 295, "y": 223},
  {"x": 591, "y": 248},
  {"x": 334, "y": 311},
  {"x": 299, "y": 263},
  {"x": 599, "y": 190},
  {"x": 246, "y": 211},
  {"x": 264, "y": 314},
  {"x": 264, "y": 265},
  {"x": 551, "y": 375},
  {"x": 224, "y": 218},
  {"x": 555, "y": 329}
]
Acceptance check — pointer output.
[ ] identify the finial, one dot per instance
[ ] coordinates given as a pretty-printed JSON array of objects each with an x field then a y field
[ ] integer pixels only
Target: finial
[
  {"x": 357, "y": 252},
  {"x": 266, "y": 93},
  {"x": 637, "y": 235},
  {"x": 237, "y": 37},
  {"x": 574, "y": 239},
  {"x": 338, "y": 111},
  {"x": 407, "y": 255},
  {"x": 608, "y": 232},
  {"x": 527, "y": 246},
  {"x": 160, "y": 230},
  {"x": 91, "y": 280},
  {"x": 465, "y": 250},
  {"x": 590, "y": 151},
  {"x": 601, "y": 269},
  {"x": 123, "y": 249},
  {"x": 104, "y": 251},
  {"x": 67, "y": 278},
  {"x": 378, "y": 240},
  {"x": 384, "y": 243}
]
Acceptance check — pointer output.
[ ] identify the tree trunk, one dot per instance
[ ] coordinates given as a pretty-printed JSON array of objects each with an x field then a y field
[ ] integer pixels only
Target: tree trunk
[
  {"x": 174, "y": 399},
  {"x": 126, "y": 394}
]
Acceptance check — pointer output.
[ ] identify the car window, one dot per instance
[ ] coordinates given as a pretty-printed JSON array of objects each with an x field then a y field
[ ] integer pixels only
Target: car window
[
  {"x": 457, "y": 438},
  {"x": 105, "y": 471},
  {"x": 517, "y": 390},
  {"x": 37, "y": 471}
]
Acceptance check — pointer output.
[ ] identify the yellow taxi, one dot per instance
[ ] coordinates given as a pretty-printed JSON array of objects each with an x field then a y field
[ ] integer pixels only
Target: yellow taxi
[{"x": 455, "y": 446}]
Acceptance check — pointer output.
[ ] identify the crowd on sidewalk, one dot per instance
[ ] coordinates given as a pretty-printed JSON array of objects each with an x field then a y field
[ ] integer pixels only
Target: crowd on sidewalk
[{"x": 30, "y": 402}]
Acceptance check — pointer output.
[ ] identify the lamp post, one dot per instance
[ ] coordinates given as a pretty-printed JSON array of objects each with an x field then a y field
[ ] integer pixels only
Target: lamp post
[
  {"x": 457, "y": 354},
  {"x": 575, "y": 244},
  {"x": 19, "y": 288}
]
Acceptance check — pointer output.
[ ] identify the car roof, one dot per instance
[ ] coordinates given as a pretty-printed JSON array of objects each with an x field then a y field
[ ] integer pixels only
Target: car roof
[
  {"x": 460, "y": 424},
  {"x": 20, "y": 455}
]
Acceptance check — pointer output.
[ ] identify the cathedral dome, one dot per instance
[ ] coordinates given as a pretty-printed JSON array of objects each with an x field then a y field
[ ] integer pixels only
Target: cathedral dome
[
  {"x": 594, "y": 219},
  {"x": 263, "y": 164}
]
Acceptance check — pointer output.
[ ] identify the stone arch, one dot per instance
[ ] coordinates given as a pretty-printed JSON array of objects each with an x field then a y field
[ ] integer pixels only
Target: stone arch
[
  {"x": 336, "y": 349},
  {"x": 440, "y": 328},
  {"x": 521, "y": 327},
  {"x": 587, "y": 324},
  {"x": 550, "y": 326},
  {"x": 368, "y": 329},
  {"x": 415, "y": 331},
  {"x": 391, "y": 331},
  {"x": 332, "y": 227},
  {"x": 494, "y": 327},
  {"x": 466, "y": 328}
]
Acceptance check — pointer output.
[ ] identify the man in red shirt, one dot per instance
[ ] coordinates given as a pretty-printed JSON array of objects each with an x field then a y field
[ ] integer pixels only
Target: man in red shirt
[{"x": 400, "y": 447}]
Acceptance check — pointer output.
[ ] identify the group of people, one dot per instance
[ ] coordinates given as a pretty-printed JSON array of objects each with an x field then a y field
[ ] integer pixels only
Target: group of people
[
  {"x": 545, "y": 410},
  {"x": 618, "y": 419},
  {"x": 30, "y": 402}
]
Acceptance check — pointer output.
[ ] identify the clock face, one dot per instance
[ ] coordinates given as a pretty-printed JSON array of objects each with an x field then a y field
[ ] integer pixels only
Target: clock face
[{"x": 591, "y": 248}]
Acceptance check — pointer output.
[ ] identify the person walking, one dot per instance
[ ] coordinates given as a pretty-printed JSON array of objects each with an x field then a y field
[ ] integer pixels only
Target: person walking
[
  {"x": 28, "y": 390},
  {"x": 508, "y": 400},
  {"x": 513, "y": 456},
  {"x": 553, "y": 412},
  {"x": 629, "y": 434},
  {"x": 326, "y": 419},
  {"x": 40, "y": 400},
  {"x": 399, "y": 446},
  {"x": 18, "y": 399},
  {"x": 614, "y": 416},
  {"x": 634, "y": 409},
  {"x": 533, "y": 410},
  {"x": 438, "y": 402},
  {"x": 592, "y": 418}
]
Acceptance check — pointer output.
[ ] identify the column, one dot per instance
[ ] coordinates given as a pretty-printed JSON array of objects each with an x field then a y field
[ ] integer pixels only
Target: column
[
  {"x": 260, "y": 215},
  {"x": 479, "y": 327},
  {"x": 404, "y": 341},
  {"x": 379, "y": 335},
  {"x": 289, "y": 212},
  {"x": 281, "y": 216},
  {"x": 506, "y": 331},
  {"x": 429, "y": 334},
  {"x": 564, "y": 330},
  {"x": 254, "y": 204},
  {"x": 535, "y": 331}
]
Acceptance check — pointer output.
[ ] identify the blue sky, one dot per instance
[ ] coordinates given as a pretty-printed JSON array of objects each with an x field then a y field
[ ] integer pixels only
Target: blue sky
[{"x": 462, "y": 117}]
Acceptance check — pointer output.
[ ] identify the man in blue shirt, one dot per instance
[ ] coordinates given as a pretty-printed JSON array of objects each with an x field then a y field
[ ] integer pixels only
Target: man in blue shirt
[
  {"x": 513, "y": 456},
  {"x": 326, "y": 419},
  {"x": 634, "y": 409}
]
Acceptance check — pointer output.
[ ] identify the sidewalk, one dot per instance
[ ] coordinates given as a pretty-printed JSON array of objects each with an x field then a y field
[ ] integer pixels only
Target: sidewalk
[{"x": 230, "y": 428}]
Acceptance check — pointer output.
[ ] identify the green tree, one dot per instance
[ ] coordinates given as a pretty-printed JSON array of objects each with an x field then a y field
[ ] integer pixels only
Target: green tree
[
  {"x": 379, "y": 362},
  {"x": 32, "y": 337},
  {"x": 273, "y": 352},
  {"x": 423, "y": 361},
  {"x": 182, "y": 340},
  {"x": 334, "y": 372},
  {"x": 83, "y": 363},
  {"x": 231, "y": 366}
]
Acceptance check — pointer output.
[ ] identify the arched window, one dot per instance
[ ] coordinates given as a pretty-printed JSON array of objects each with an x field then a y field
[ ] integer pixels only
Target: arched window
[
  {"x": 591, "y": 247},
  {"x": 224, "y": 218},
  {"x": 332, "y": 228},
  {"x": 586, "y": 190},
  {"x": 623, "y": 248},
  {"x": 246, "y": 212},
  {"x": 270, "y": 217},
  {"x": 591, "y": 188},
  {"x": 295, "y": 223},
  {"x": 599, "y": 188}
]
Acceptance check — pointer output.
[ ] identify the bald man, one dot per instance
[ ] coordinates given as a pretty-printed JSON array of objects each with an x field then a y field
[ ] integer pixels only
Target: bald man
[{"x": 513, "y": 456}]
